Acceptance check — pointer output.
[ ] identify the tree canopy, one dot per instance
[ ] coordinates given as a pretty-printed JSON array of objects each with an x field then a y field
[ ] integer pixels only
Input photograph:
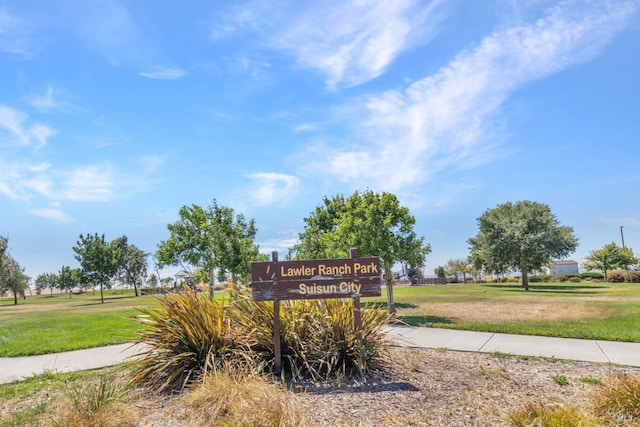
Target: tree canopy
[
  {"x": 98, "y": 260},
  {"x": 609, "y": 257},
  {"x": 375, "y": 224},
  {"x": 132, "y": 262},
  {"x": 524, "y": 236},
  {"x": 210, "y": 238},
  {"x": 12, "y": 277}
]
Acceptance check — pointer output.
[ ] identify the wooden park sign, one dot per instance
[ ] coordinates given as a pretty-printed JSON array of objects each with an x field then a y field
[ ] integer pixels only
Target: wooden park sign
[
  {"x": 318, "y": 278},
  {"x": 313, "y": 279}
]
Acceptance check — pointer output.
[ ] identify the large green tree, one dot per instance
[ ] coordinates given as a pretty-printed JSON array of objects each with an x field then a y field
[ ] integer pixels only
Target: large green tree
[
  {"x": 98, "y": 260},
  {"x": 210, "y": 238},
  {"x": 524, "y": 236},
  {"x": 376, "y": 224},
  {"x": 132, "y": 262},
  {"x": 610, "y": 257}
]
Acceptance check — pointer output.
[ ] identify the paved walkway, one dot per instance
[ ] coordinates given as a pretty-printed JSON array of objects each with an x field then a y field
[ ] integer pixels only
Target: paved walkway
[{"x": 620, "y": 353}]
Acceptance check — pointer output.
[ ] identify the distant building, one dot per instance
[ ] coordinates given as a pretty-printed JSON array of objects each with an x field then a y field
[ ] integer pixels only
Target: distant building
[{"x": 565, "y": 266}]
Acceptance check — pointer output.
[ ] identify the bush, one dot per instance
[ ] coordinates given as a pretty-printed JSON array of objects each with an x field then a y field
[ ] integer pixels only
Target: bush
[
  {"x": 185, "y": 336},
  {"x": 317, "y": 336},
  {"x": 536, "y": 414},
  {"x": 189, "y": 335},
  {"x": 619, "y": 401},
  {"x": 616, "y": 277},
  {"x": 592, "y": 276}
]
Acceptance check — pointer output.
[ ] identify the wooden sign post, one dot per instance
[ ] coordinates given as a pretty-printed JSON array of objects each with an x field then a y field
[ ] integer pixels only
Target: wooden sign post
[{"x": 314, "y": 279}]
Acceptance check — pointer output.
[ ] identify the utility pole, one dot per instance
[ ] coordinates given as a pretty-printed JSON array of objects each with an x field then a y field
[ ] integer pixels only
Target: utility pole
[{"x": 622, "y": 235}]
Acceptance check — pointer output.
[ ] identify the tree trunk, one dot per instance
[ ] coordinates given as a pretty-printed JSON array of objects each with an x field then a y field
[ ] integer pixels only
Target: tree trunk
[
  {"x": 15, "y": 298},
  {"x": 101, "y": 294},
  {"x": 525, "y": 279},
  {"x": 389, "y": 281},
  {"x": 211, "y": 283}
]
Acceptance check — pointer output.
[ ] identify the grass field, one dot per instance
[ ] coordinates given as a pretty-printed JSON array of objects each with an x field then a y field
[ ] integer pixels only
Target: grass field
[{"x": 45, "y": 324}]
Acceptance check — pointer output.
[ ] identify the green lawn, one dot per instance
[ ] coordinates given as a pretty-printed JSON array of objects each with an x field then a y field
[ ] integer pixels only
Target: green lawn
[
  {"x": 45, "y": 324},
  {"x": 48, "y": 324},
  {"x": 574, "y": 310}
]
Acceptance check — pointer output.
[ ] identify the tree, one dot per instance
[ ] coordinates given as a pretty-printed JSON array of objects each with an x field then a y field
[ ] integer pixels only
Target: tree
[
  {"x": 132, "y": 262},
  {"x": 456, "y": 267},
  {"x": 13, "y": 278},
  {"x": 375, "y": 224},
  {"x": 440, "y": 272},
  {"x": 46, "y": 280},
  {"x": 211, "y": 238},
  {"x": 69, "y": 278},
  {"x": 609, "y": 257},
  {"x": 524, "y": 236},
  {"x": 98, "y": 260}
]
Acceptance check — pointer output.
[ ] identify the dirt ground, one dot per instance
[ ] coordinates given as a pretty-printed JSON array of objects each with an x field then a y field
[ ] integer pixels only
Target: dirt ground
[{"x": 423, "y": 387}]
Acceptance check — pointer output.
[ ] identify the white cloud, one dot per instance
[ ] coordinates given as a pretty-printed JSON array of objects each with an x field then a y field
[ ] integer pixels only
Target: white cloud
[
  {"x": 445, "y": 120},
  {"x": 52, "y": 213},
  {"x": 14, "y": 37},
  {"x": 271, "y": 187},
  {"x": 164, "y": 73},
  {"x": 353, "y": 42},
  {"x": 20, "y": 133},
  {"x": 90, "y": 183}
]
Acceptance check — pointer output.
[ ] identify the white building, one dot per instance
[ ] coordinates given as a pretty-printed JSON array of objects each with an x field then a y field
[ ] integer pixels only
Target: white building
[{"x": 565, "y": 266}]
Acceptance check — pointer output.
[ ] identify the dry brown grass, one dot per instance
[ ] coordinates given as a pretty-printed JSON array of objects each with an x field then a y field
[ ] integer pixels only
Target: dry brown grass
[
  {"x": 226, "y": 399},
  {"x": 507, "y": 310}
]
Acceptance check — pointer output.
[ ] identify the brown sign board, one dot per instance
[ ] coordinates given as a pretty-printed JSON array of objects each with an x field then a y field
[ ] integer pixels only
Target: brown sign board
[{"x": 318, "y": 278}]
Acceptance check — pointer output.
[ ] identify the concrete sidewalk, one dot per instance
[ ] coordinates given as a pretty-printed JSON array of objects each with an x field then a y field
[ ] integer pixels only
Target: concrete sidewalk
[{"x": 620, "y": 353}]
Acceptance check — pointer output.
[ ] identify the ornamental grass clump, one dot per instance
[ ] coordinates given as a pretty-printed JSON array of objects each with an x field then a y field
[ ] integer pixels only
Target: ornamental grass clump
[
  {"x": 618, "y": 401},
  {"x": 189, "y": 335},
  {"x": 536, "y": 414},
  {"x": 318, "y": 339},
  {"x": 186, "y": 335}
]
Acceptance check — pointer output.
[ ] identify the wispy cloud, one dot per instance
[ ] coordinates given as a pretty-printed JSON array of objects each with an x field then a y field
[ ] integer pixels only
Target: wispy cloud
[
  {"x": 164, "y": 73},
  {"x": 92, "y": 183},
  {"x": 355, "y": 41},
  {"x": 445, "y": 120},
  {"x": 14, "y": 32},
  {"x": 19, "y": 132},
  {"x": 269, "y": 188},
  {"x": 52, "y": 213},
  {"x": 24, "y": 181},
  {"x": 349, "y": 42}
]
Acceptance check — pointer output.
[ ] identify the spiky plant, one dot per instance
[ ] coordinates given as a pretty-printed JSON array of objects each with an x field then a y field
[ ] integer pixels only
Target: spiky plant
[
  {"x": 318, "y": 338},
  {"x": 537, "y": 414},
  {"x": 619, "y": 400},
  {"x": 186, "y": 335}
]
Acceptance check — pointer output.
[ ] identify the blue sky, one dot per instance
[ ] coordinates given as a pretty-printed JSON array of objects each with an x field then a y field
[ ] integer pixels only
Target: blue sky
[{"x": 114, "y": 114}]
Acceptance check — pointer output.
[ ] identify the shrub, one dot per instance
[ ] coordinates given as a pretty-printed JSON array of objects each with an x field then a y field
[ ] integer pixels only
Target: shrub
[
  {"x": 94, "y": 404},
  {"x": 616, "y": 277},
  {"x": 188, "y": 335},
  {"x": 317, "y": 336},
  {"x": 619, "y": 401},
  {"x": 536, "y": 414},
  {"x": 236, "y": 399},
  {"x": 592, "y": 276}
]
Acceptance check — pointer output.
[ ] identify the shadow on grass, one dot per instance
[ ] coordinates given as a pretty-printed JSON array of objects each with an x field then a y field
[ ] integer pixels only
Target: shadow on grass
[
  {"x": 397, "y": 304},
  {"x": 560, "y": 289},
  {"x": 425, "y": 320}
]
